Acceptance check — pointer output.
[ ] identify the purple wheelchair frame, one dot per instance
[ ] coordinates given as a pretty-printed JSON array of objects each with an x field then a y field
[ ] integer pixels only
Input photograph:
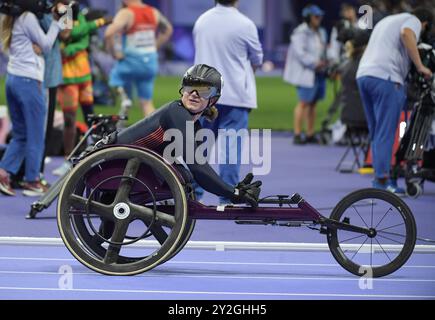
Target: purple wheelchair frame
[
  {"x": 294, "y": 210},
  {"x": 160, "y": 185}
]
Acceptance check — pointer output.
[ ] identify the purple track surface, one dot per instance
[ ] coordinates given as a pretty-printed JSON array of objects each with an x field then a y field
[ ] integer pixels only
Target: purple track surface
[{"x": 32, "y": 272}]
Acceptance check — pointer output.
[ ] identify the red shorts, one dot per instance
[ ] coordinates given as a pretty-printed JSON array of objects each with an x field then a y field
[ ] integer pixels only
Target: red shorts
[{"x": 70, "y": 96}]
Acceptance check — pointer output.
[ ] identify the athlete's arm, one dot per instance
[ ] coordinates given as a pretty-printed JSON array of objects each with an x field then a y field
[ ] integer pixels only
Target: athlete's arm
[
  {"x": 164, "y": 29},
  {"x": 121, "y": 23},
  {"x": 203, "y": 174}
]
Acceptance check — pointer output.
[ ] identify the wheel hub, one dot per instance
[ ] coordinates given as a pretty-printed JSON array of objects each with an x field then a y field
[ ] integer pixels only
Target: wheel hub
[
  {"x": 373, "y": 233},
  {"x": 121, "y": 211}
]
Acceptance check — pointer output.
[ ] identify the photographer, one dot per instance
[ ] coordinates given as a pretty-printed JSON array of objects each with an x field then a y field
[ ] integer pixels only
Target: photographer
[
  {"x": 342, "y": 32},
  {"x": 305, "y": 65},
  {"x": 381, "y": 79},
  {"x": 24, "y": 94}
]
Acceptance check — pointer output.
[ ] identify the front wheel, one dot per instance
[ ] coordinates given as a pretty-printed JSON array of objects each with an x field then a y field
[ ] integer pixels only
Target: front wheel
[{"x": 393, "y": 241}]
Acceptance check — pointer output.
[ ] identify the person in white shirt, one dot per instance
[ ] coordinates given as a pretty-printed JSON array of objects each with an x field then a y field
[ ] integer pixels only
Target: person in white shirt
[
  {"x": 305, "y": 66},
  {"x": 228, "y": 40},
  {"x": 381, "y": 80},
  {"x": 23, "y": 37}
]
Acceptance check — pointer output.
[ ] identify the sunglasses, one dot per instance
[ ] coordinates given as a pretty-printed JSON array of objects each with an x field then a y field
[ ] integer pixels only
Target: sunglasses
[{"x": 203, "y": 92}]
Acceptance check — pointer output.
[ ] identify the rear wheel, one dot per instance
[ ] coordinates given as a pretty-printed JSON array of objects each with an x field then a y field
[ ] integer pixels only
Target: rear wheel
[
  {"x": 109, "y": 203},
  {"x": 393, "y": 241}
]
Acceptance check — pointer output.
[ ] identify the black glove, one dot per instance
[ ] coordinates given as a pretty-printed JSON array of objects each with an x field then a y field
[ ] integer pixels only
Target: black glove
[{"x": 247, "y": 191}]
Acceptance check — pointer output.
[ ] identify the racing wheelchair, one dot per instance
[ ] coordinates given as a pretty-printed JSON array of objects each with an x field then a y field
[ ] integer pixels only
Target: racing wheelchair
[{"x": 117, "y": 197}]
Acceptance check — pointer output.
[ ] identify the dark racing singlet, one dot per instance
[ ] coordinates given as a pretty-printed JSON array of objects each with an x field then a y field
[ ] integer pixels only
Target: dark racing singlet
[{"x": 149, "y": 133}]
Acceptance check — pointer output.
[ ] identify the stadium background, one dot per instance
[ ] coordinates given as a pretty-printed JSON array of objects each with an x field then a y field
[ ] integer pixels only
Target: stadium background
[{"x": 275, "y": 20}]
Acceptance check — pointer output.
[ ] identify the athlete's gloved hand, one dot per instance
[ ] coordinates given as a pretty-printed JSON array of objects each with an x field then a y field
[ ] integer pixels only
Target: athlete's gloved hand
[{"x": 247, "y": 191}]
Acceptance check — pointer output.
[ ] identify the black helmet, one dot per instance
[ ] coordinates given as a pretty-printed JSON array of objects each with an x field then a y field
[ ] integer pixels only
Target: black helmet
[{"x": 203, "y": 75}]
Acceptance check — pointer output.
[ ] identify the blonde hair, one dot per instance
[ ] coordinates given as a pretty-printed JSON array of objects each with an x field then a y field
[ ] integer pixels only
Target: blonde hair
[
  {"x": 7, "y": 25},
  {"x": 210, "y": 114}
]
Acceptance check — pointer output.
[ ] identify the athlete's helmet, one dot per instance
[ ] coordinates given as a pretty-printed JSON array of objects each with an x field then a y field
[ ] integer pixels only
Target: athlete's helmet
[{"x": 206, "y": 80}]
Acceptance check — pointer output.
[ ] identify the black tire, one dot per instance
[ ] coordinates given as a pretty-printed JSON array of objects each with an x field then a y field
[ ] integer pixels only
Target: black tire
[
  {"x": 190, "y": 226},
  {"x": 349, "y": 207},
  {"x": 71, "y": 197},
  {"x": 414, "y": 189},
  {"x": 94, "y": 244}
]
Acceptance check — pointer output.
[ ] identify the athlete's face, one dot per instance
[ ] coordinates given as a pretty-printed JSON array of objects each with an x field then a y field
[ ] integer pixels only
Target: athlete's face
[{"x": 193, "y": 102}]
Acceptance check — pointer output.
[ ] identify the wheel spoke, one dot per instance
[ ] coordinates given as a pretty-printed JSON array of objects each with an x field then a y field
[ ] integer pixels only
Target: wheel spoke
[
  {"x": 102, "y": 210},
  {"x": 147, "y": 214},
  {"x": 397, "y": 225},
  {"x": 124, "y": 189},
  {"x": 386, "y": 213},
  {"x": 360, "y": 217},
  {"x": 97, "y": 240},
  {"x": 106, "y": 229},
  {"x": 383, "y": 250},
  {"x": 393, "y": 234},
  {"x": 158, "y": 232},
  {"x": 359, "y": 248},
  {"x": 390, "y": 239},
  {"x": 361, "y": 235},
  {"x": 371, "y": 222},
  {"x": 119, "y": 233}
]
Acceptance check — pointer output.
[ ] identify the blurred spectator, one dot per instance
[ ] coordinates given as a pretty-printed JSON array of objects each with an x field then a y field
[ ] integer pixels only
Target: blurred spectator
[
  {"x": 352, "y": 114},
  {"x": 52, "y": 79},
  {"x": 305, "y": 68},
  {"x": 236, "y": 55},
  {"x": 342, "y": 32},
  {"x": 397, "y": 6},
  {"x": 77, "y": 78},
  {"x": 23, "y": 36},
  {"x": 381, "y": 77},
  {"x": 4, "y": 125},
  {"x": 144, "y": 30}
]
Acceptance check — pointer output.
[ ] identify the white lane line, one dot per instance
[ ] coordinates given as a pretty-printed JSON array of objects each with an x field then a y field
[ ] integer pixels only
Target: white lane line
[
  {"x": 275, "y": 294},
  {"x": 245, "y": 277},
  {"x": 227, "y": 245},
  {"x": 217, "y": 262},
  {"x": 37, "y": 259}
]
